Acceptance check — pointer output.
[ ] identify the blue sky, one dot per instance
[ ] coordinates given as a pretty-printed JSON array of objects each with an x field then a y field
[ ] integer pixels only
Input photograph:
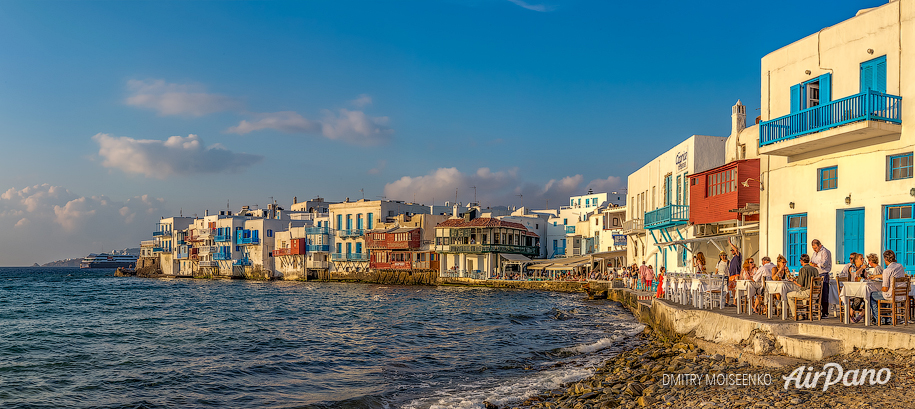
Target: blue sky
[{"x": 404, "y": 99}]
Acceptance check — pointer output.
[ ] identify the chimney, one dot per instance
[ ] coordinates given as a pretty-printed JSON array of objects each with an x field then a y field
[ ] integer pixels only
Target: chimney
[
  {"x": 207, "y": 212},
  {"x": 738, "y": 118}
]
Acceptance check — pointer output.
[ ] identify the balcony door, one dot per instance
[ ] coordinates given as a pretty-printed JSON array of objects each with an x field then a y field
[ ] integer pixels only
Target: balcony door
[
  {"x": 796, "y": 239},
  {"x": 852, "y": 233},
  {"x": 899, "y": 230}
]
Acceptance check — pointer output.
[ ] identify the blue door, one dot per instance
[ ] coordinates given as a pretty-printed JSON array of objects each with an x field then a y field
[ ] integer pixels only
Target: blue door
[
  {"x": 796, "y": 238},
  {"x": 853, "y": 232},
  {"x": 899, "y": 230}
]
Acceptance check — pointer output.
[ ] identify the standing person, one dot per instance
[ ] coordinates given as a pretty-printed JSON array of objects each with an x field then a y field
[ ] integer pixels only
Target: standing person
[
  {"x": 822, "y": 260},
  {"x": 893, "y": 269},
  {"x": 700, "y": 263},
  {"x": 722, "y": 267},
  {"x": 807, "y": 274},
  {"x": 649, "y": 278},
  {"x": 733, "y": 269},
  {"x": 661, "y": 276},
  {"x": 643, "y": 273}
]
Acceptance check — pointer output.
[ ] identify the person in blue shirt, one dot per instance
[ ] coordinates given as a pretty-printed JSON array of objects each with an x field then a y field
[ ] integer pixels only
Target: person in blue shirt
[{"x": 734, "y": 267}]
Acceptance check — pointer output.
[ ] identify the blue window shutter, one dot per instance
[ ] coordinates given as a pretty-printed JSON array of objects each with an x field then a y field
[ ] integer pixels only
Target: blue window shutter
[
  {"x": 795, "y": 98},
  {"x": 867, "y": 76},
  {"x": 880, "y": 74},
  {"x": 825, "y": 88}
]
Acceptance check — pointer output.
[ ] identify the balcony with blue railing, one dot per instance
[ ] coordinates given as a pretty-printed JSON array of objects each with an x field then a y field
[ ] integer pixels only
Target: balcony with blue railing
[
  {"x": 349, "y": 257},
  {"x": 667, "y": 216},
  {"x": 317, "y": 230},
  {"x": 867, "y": 115},
  {"x": 158, "y": 249},
  {"x": 350, "y": 232},
  {"x": 182, "y": 255},
  {"x": 222, "y": 256},
  {"x": 570, "y": 229},
  {"x": 223, "y": 238},
  {"x": 242, "y": 262},
  {"x": 159, "y": 233},
  {"x": 318, "y": 248},
  {"x": 243, "y": 241},
  {"x": 559, "y": 251}
]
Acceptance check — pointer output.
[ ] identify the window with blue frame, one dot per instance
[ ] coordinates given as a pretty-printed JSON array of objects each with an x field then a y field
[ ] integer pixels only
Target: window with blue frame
[
  {"x": 899, "y": 234},
  {"x": 899, "y": 166},
  {"x": 811, "y": 93},
  {"x": 358, "y": 248},
  {"x": 370, "y": 221},
  {"x": 873, "y": 75},
  {"x": 339, "y": 222},
  {"x": 339, "y": 248},
  {"x": 565, "y": 222},
  {"x": 269, "y": 233},
  {"x": 828, "y": 178}
]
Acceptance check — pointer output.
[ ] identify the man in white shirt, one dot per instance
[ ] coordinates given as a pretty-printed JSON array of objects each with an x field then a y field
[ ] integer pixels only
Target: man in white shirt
[
  {"x": 893, "y": 269},
  {"x": 765, "y": 270},
  {"x": 822, "y": 260}
]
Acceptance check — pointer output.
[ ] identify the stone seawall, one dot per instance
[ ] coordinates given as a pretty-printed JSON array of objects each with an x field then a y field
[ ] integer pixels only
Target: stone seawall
[
  {"x": 746, "y": 334},
  {"x": 382, "y": 277}
]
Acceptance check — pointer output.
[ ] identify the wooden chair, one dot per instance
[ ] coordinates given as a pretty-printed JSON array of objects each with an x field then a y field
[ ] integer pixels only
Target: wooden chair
[
  {"x": 899, "y": 305},
  {"x": 810, "y": 305},
  {"x": 840, "y": 282}
]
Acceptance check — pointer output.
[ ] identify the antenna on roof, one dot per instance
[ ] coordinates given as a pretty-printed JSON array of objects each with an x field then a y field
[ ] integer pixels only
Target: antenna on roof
[
  {"x": 522, "y": 199},
  {"x": 363, "y": 193}
]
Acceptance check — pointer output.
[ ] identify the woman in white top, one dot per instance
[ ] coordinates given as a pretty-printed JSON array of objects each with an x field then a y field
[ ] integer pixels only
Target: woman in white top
[{"x": 722, "y": 268}]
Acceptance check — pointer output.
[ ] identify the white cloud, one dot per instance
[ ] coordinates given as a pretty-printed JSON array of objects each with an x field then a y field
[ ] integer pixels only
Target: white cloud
[
  {"x": 354, "y": 127},
  {"x": 535, "y": 7},
  {"x": 176, "y": 99},
  {"x": 610, "y": 184},
  {"x": 53, "y": 223},
  {"x": 362, "y": 101},
  {"x": 501, "y": 188},
  {"x": 175, "y": 156}
]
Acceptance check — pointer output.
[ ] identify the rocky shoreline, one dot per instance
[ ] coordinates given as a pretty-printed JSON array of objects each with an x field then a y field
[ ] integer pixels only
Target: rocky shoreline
[{"x": 644, "y": 376}]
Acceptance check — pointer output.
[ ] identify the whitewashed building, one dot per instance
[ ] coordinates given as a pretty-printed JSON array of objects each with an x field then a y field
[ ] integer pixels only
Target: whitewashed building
[{"x": 833, "y": 123}]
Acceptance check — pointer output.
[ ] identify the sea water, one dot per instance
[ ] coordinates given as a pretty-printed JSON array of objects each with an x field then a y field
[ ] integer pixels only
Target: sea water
[{"x": 83, "y": 338}]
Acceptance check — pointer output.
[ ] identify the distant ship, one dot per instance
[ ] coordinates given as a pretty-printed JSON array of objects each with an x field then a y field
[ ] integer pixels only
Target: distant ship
[{"x": 106, "y": 260}]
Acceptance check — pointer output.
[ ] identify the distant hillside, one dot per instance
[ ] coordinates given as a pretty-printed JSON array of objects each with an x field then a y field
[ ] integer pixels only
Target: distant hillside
[{"x": 70, "y": 262}]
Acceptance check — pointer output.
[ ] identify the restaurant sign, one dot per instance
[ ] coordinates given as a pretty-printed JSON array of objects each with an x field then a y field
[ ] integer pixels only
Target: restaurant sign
[
  {"x": 681, "y": 160},
  {"x": 619, "y": 240}
]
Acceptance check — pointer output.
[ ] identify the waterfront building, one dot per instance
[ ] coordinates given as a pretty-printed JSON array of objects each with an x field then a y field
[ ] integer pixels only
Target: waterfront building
[
  {"x": 169, "y": 243},
  {"x": 832, "y": 124},
  {"x": 478, "y": 247},
  {"x": 350, "y": 220},
  {"x": 404, "y": 244},
  {"x": 316, "y": 205},
  {"x": 658, "y": 202},
  {"x": 600, "y": 233}
]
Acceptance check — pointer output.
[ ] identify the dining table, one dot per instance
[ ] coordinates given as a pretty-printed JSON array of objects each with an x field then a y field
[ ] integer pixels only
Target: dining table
[
  {"x": 860, "y": 289},
  {"x": 782, "y": 288},
  {"x": 745, "y": 288}
]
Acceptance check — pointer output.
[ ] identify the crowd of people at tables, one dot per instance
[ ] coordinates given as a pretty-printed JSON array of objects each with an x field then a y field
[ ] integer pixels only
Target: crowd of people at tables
[{"x": 859, "y": 268}]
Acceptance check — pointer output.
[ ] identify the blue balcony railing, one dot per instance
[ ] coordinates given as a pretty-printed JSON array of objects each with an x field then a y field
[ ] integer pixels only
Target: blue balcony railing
[
  {"x": 350, "y": 232},
  {"x": 670, "y": 215},
  {"x": 223, "y": 238},
  {"x": 182, "y": 255},
  {"x": 158, "y": 233},
  {"x": 349, "y": 257},
  {"x": 247, "y": 240},
  {"x": 867, "y": 106},
  {"x": 241, "y": 262},
  {"x": 318, "y": 248},
  {"x": 570, "y": 229},
  {"x": 559, "y": 251},
  {"x": 158, "y": 249},
  {"x": 222, "y": 256},
  {"x": 317, "y": 230}
]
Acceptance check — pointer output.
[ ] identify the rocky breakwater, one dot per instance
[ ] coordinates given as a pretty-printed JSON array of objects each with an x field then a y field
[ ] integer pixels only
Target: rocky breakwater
[{"x": 647, "y": 376}]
